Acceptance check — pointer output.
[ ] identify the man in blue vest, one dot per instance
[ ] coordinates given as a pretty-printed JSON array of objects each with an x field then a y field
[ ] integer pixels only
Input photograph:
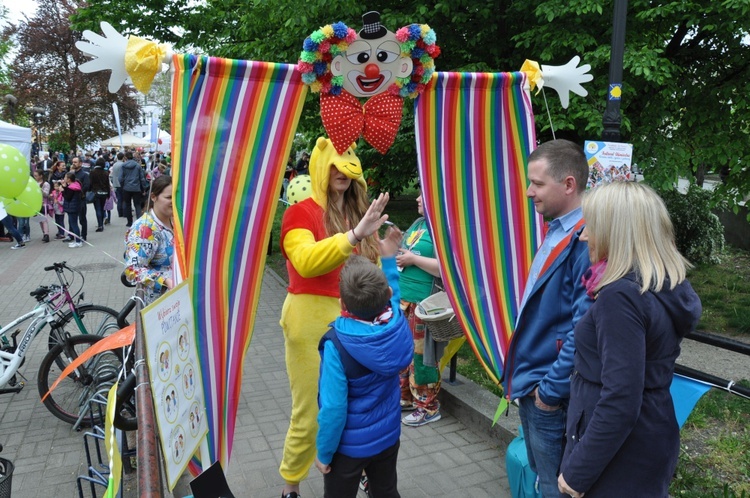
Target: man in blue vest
[{"x": 540, "y": 354}]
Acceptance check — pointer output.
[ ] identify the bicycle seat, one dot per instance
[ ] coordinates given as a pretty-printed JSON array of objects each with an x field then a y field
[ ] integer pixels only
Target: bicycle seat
[{"x": 39, "y": 293}]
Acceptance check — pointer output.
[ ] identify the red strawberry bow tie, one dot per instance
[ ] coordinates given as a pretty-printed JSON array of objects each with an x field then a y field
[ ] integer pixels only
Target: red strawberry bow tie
[{"x": 345, "y": 119}]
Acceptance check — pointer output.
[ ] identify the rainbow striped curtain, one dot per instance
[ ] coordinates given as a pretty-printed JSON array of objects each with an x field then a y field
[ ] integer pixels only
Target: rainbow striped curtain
[
  {"x": 474, "y": 132},
  {"x": 233, "y": 123}
]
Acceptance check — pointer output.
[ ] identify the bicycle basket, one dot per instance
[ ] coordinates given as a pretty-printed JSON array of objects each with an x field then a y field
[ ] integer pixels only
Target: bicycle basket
[
  {"x": 6, "y": 474},
  {"x": 439, "y": 317}
]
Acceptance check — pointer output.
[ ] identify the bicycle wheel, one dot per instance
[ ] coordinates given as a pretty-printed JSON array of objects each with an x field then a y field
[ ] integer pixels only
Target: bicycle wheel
[
  {"x": 96, "y": 320},
  {"x": 71, "y": 397}
]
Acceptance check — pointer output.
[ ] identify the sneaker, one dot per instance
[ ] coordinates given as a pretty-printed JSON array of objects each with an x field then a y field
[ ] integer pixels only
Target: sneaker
[
  {"x": 26, "y": 238},
  {"x": 68, "y": 240},
  {"x": 75, "y": 244},
  {"x": 45, "y": 238},
  {"x": 18, "y": 246},
  {"x": 59, "y": 236},
  {"x": 420, "y": 417},
  {"x": 364, "y": 484},
  {"x": 407, "y": 406}
]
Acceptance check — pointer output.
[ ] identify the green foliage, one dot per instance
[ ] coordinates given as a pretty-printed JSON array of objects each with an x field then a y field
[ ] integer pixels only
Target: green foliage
[
  {"x": 686, "y": 77},
  {"x": 58, "y": 142},
  {"x": 5, "y": 46},
  {"x": 698, "y": 232},
  {"x": 45, "y": 74}
]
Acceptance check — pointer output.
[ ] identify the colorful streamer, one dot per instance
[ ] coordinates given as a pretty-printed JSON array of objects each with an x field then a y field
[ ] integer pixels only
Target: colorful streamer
[
  {"x": 474, "y": 132},
  {"x": 233, "y": 123}
]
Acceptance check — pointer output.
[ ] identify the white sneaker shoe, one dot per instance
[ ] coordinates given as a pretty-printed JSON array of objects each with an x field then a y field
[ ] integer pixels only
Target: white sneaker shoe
[
  {"x": 420, "y": 417},
  {"x": 75, "y": 244},
  {"x": 26, "y": 238}
]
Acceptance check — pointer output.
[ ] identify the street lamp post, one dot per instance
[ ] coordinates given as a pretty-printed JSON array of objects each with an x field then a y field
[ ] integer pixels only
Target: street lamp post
[
  {"x": 611, "y": 119},
  {"x": 36, "y": 114},
  {"x": 11, "y": 102}
]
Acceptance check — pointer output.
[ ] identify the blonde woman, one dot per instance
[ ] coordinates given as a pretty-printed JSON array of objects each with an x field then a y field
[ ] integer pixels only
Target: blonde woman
[
  {"x": 317, "y": 237},
  {"x": 622, "y": 434}
]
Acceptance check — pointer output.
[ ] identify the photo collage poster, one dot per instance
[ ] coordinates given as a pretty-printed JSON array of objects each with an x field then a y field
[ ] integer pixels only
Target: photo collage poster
[{"x": 175, "y": 373}]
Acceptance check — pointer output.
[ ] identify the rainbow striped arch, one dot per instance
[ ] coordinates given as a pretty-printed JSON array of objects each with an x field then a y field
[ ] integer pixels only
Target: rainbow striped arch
[
  {"x": 233, "y": 123},
  {"x": 474, "y": 132}
]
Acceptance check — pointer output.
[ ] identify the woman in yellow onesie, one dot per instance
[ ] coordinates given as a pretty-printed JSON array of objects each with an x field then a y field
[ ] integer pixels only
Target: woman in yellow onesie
[{"x": 317, "y": 236}]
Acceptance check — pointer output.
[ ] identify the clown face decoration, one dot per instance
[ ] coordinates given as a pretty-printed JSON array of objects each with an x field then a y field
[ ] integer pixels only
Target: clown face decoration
[
  {"x": 373, "y": 61},
  {"x": 375, "y": 64}
]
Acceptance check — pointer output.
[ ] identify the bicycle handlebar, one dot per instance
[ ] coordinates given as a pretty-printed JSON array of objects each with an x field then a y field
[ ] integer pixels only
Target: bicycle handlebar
[{"x": 56, "y": 266}]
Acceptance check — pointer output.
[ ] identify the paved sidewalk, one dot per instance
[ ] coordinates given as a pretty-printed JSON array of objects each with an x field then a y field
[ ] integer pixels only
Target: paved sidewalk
[{"x": 445, "y": 458}]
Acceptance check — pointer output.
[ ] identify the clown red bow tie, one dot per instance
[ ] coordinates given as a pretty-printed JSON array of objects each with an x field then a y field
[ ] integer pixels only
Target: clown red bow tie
[{"x": 345, "y": 119}]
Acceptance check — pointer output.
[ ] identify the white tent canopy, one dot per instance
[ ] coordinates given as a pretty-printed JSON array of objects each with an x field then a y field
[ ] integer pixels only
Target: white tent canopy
[
  {"x": 16, "y": 136},
  {"x": 128, "y": 140}
]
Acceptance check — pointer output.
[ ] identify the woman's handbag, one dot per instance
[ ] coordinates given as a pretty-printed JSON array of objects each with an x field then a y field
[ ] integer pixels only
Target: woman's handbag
[{"x": 109, "y": 204}]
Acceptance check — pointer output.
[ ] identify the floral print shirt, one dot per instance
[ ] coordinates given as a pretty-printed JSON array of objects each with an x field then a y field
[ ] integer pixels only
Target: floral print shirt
[{"x": 148, "y": 254}]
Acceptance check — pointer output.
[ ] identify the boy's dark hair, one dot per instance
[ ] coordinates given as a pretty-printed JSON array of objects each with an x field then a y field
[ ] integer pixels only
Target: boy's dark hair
[
  {"x": 129, "y": 155},
  {"x": 363, "y": 288},
  {"x": 120, "y": 156}
]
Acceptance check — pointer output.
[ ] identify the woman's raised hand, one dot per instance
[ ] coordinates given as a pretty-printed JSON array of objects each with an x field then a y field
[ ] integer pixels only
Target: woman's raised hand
[{"x": 373, "y": 218}]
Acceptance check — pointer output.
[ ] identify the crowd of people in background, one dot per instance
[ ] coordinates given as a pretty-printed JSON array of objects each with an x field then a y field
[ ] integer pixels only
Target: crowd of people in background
[{"x": 70, "y": 181}]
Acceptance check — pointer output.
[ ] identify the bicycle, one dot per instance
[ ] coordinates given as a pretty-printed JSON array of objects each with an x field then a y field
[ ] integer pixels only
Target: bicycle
[
  {"x": 70, "y": 397},
  {"x": 88, "y": 318}
]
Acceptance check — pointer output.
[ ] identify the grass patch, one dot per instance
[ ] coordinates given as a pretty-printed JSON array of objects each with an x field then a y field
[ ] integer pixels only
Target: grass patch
[
  {"x": 714, "y": 461},
  {"x": 724, "y": 290},
  {"x": 468, "y": 366}
]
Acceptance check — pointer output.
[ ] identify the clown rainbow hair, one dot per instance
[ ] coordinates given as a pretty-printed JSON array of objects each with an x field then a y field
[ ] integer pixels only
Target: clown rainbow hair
[
  {"x": 417, "y": 42},
  {"x": 318, "y": 50}
]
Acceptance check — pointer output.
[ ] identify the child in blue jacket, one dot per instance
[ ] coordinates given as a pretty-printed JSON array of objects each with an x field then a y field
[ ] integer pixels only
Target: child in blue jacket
[{"x": 361, "y": 355}]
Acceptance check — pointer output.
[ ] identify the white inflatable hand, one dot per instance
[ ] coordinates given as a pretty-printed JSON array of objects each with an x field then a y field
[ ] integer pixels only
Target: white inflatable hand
[
  {"x": 109, "y": 51},
  {"x": 567, "y": 78}
]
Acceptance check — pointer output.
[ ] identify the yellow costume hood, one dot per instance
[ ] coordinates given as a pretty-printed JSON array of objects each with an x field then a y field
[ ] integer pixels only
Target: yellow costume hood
[{"x": 324, "y": 156}]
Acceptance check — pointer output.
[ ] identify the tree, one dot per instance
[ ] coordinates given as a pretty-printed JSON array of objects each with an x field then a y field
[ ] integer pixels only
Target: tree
[
  {"x": 686, "y": 73},
  {"x": 45, "y": 74},
  {"x": 161, "y": 95}
]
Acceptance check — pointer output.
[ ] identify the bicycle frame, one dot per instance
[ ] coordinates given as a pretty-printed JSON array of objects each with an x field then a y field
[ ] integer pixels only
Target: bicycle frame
[{"x": 10, "y": 362}]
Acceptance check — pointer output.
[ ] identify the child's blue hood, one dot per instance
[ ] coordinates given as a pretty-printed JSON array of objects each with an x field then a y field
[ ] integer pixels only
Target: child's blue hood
[{"x": 385, "y": 349}]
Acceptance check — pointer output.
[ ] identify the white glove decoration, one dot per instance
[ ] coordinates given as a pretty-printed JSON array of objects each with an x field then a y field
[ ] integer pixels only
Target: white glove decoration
[
  {"x": 567, "y": 78},
  {"x": 109, "y": 51}
]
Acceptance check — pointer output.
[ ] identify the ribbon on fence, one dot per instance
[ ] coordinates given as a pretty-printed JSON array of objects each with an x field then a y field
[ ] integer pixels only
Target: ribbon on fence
[
  {"x": 474, "y": 132},
  {"x": 233, "y": 123}
]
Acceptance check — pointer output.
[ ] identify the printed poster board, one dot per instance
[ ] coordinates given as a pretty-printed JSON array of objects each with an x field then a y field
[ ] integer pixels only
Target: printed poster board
[
  {"x": 176, "y": 383},
  {"x": 608, "y": 162}
]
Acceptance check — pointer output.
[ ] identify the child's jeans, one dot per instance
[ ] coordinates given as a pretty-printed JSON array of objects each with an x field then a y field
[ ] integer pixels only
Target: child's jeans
[{"x": 23, "y": 226}]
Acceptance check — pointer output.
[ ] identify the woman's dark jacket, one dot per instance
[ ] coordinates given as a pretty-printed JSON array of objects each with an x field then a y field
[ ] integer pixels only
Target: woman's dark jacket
[{"x": 622, "y": 434}]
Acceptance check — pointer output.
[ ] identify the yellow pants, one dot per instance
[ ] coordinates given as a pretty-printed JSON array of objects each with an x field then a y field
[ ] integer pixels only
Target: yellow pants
[{"x": 304, "y": 319}]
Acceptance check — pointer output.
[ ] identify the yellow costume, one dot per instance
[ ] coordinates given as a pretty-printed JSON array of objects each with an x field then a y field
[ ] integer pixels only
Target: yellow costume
[{"x": 314, "y": 260}]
